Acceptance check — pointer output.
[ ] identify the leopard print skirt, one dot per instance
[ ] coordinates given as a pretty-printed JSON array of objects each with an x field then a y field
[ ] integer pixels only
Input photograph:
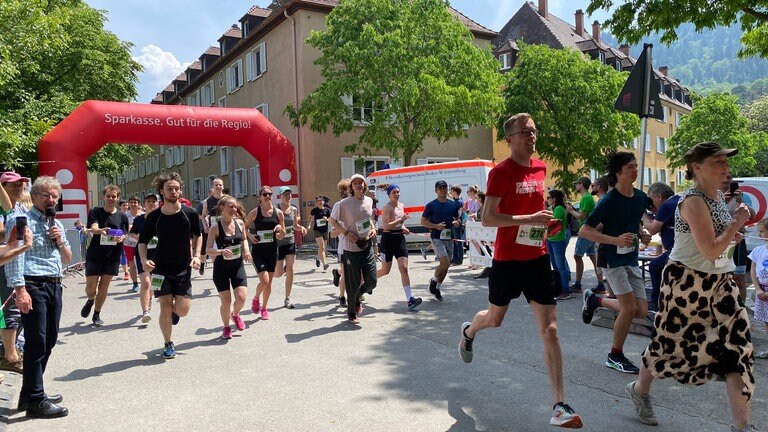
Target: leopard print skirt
[{"x": 701, "y": 330}]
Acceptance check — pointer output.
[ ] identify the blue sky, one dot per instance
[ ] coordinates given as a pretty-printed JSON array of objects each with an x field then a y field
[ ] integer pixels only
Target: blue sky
[{"x": 170, "y": 34}]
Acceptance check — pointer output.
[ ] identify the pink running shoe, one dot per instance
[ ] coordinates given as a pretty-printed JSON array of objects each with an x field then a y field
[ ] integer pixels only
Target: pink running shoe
[
  {"x": 255, "y": 305},
  {"x": 238, "y": 322},
  {"x": 226, "y": 333},
  {"x": 264, "y": 314}
]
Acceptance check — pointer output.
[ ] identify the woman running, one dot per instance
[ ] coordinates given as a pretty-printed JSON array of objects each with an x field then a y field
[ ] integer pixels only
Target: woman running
[
  {"x": 320, "y": 215},
  {"x": 267, "y": 226},
  {"x": 393, "y": 216},
  {"x": 228, "y": 244},
  {"x": 286, "y": 248}
]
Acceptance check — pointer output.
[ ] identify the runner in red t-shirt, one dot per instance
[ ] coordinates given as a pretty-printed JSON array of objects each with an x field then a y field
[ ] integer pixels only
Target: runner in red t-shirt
[{"x": 515, "y": 204}]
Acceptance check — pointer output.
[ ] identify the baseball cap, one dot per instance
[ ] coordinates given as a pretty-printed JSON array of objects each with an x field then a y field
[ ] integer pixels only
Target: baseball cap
[
  {"x": 703, "y": 150},
  {"x": 157, "y": 198},
  {"x": 11, "y": 177},
  {"x": 356, "y": 177},
  {"x": 440, "y": 184},
  {"x": 284, "y": 189},
  {"x": 584, "y": 181}
]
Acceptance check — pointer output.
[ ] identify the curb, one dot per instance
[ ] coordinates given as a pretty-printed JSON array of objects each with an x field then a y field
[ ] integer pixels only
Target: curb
[{"x": 8, "y": 390}]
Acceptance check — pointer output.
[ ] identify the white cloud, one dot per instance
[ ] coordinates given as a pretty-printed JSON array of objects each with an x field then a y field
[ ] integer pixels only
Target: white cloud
[{"x": 160, "y": 67}]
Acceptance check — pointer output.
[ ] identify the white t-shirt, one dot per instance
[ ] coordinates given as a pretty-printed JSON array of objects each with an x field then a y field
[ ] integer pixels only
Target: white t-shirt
[
  {"x": 356, "y": 216},
  {"x": 342, "y": 240},
  {"x": 759, "y": 257}
]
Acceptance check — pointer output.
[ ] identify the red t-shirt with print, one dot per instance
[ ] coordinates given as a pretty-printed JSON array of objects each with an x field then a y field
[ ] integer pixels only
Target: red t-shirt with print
[{"x": 521, "y": 190}]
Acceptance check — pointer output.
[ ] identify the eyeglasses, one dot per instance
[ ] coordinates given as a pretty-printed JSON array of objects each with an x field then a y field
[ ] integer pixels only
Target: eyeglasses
[
  {"x": 48, "y": 196},
  {"x": 111, "y": 197},
  {"x": 266, "y": 194},
  {"x": 530, "y": 132}
]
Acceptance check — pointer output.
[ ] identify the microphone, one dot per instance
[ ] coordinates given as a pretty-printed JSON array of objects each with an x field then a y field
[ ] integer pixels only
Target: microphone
[{"x": 50, "y": 214}]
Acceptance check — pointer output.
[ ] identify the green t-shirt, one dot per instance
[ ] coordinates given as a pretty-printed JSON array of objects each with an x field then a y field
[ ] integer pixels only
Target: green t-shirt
[
  {"x": 587, "y": 204},
  {"x": 558, "y": 213}
]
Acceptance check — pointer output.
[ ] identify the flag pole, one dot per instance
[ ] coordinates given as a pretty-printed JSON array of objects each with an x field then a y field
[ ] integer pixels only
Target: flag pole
[{"x": 644, "y": 113}]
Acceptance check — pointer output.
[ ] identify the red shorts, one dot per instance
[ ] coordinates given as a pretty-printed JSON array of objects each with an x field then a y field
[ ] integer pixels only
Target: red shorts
[{"x": 129, "y": 252}]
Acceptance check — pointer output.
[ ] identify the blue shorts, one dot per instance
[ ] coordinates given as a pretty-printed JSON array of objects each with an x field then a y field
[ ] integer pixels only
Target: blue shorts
[{"x": 584, "y": 247}]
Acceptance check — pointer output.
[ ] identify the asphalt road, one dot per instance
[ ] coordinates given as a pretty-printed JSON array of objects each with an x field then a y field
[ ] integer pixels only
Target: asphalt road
[{"x": 307, "y": 369}]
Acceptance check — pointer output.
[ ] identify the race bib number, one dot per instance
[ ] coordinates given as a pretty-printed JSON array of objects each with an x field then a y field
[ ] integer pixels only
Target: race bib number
[
  {"x": 107, "y": 240},
  {"x": 531, "y": 235},
  {"x": 152, "y": 243},
  {"x": 363, "y": 226},
  {"x": 445, "y": 234},
  {"x": 726, "y": 258},
  {"x": 623, "y": 250},
  {"x": 157, "y": 282},
  {"x": 289, "y": 231},
  {"x": 130, "y": 242},
  {"x": 214, "y": 219},
  {"x": 321, "y": 222},
  {"x": 237, "y": 252},
  {"x": 266, "y": 236}
]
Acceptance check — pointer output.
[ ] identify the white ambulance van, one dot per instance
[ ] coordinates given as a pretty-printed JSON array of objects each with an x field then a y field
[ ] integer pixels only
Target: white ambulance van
[
  {"x": 755, "y": 193},
  {"x": 417, "y": 186}
]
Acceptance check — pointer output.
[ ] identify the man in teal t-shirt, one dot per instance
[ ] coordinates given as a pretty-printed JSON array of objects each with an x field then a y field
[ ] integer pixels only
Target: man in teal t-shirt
[{"x": 584, "y": 246}]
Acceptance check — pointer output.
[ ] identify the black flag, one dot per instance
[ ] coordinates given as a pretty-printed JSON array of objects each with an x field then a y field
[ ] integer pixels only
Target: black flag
[{"x": 631, "y": 96}]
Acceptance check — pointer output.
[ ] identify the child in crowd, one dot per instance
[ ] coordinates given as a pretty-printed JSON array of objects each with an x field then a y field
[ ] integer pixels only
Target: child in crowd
[{"x": 759, "y": 273}]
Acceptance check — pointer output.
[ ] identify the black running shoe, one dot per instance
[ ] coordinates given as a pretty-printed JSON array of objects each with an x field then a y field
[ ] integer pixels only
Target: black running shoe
[
  {"x": 438, "y": 295},
  {"x": 342, "y": 301},
  {"x": 621, "y": 364},
  {"x": 86, "y": 310},
  {"x": 589, "y": 307},
  {"x": 97, "y": 321},
  {"x": 336, "y": 277},
  {"x": 202, "y": 268},
  {"x": 432, "y": 286},
  {"x": 413, "y": 303},
  {"x": 317, "y": 262}
]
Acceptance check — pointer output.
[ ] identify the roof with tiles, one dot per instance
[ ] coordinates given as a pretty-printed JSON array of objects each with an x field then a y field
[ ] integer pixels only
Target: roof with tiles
[
  {"x": 196, "y": 65},
  {"x": 181, "y": 77},
  {"x": 259, "y": 11},
  {"x": 212, "y": 50},
  {"x": 234, "y": 32}
]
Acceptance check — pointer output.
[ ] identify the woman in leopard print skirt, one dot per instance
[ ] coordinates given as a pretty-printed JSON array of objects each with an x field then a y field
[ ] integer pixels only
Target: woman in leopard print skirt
[{"x": 702, "y": 328}]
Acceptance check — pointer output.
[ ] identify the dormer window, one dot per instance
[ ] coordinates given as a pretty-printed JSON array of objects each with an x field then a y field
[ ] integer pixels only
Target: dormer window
[
  {"x": 601, "y": 56},
  {"x": 505, "y": 60},
  {"x": 246, "y": 28},
  {"x": 221, "y": 47}
]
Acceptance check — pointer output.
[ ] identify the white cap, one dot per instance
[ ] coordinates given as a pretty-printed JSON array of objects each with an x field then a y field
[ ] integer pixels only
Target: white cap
[{"x": 357, "y": 176}]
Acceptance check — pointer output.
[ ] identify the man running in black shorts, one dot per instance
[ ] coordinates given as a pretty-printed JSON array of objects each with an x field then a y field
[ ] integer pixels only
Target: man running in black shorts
[{"x": 174, "y": 232}]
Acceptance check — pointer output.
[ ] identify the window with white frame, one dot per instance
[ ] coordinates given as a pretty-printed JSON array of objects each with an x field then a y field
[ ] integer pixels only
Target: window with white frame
[
  {"x": 647, "y": 143},
  {"x": 169, "y": 157},
  {"x": 178, "y": 155},
  {"x": 593, "y": 174},
  {"x": 223, "y": 102},
  {"x": 206, "y": 94},
  {"x": 255, "y": 177},
  {"x": 601, "y": 56},
  {"x": 256, "y": 60},
  {"x": 235, "y": 76},
  {"x": 264, "y": 109},
  {"x": 430, "y": 160},
  {"x": 240, "y": 183},
  {"x": 634, "y": 142},
  {"x": 197, "y": 152},
  {"x": 224, "y": 160},
  {"x": 209, "y": 183},
  {"x": 680, "y": 177},
  {"x": 360, "y": 109},
  {"x": 210, "y": 150},
  {"x": 648, "y": 178},
  {"x": 505, "y": 60},
  {"x": 197, "y": 189},
  {"x": 678, "y": 117},
  {"x": 194, "y": 99},
  {"x": 362, "y": 165},
  {"x": 661, "y": 145},
  {"x": 661, "y": 175}
]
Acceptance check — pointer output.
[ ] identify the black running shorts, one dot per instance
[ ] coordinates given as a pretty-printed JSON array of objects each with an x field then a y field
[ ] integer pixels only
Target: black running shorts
[{"x": 534, "y": 279}]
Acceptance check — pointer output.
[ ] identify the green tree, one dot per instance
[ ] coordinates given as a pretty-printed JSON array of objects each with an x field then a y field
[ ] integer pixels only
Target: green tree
[
  {"x": 717, "y": 118},
  {"x": 571, "y": 99},
  {"x": 409, "y": 68},
  {"x": 54, "y": 54},
  {"x": 633, "y": 19}
]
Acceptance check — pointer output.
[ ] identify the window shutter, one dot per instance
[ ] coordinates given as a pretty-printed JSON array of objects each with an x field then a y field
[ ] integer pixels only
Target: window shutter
[
  {"x": 248, "y": 64},
  {"x": 239, "y": 73},
  {"x": 347, "y": 167},
  {"x": 263, "y": 57}
]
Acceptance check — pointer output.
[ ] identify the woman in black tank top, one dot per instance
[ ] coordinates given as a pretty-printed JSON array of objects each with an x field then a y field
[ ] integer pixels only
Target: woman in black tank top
[
  {"x": 230, "y": 250},
  {"x": 265, "y": 226}
]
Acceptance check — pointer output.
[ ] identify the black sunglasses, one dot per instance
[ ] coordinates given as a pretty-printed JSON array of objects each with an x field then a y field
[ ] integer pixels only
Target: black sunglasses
[{"x": 266, "y": 194}]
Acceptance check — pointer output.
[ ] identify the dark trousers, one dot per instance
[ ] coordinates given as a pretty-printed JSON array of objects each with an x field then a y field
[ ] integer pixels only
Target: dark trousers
[
  {"x": 655, "y": 268},
  {"x": 358, "y": 265},
  {"x": 458, "y": 247},
  {"x": 41, "y": 328}
]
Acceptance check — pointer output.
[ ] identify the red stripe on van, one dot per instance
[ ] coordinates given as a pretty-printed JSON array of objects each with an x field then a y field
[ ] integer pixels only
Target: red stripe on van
[{"x": 442, "y": 165}]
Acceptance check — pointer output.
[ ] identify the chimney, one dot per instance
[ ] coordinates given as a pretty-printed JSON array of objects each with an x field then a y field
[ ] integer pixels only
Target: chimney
[
  {"x": 596, "y": 31},
  {"x": 543, "y": 8},
  {"x": 580, "y": 22},
  {"x": 664, "y": 70},
  {"x": 624, "y": 48}
]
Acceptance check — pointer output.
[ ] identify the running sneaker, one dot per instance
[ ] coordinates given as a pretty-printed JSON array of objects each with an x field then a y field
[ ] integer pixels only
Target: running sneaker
[
  {"x": 264, "y": 314},
  {"x": 423, "y": 253},
  {"x": 325, "y": 267},
  {"x": 564, "y": 416},
  {"x": 135, "y": 287},
  {"x": 621, "y": 364},
  {"x": 146, "y": 317},
  {"x": 336, "y": 277},
  {"x": 589, "y": 306},
  {"x": 175, "y": 318},
  {"x": 226, "y": 333},
  {"x": 465, "y": 343},
  {"x": 564, "y": 296},
  {"x": 432, "y": 286},
  {"x": 169, "y": 351},
  {"x": 438, "y": 295},
  {"x": 126, "y": 276},
  {"x": 288, "y": 305},
  {"x": 599, "y": 289},
  {"x": 342, "y": 301},
  {"x": 97, "y": 321},
  {"x": 255, "y": 305},
  {"x": 202, "y": 268},
  {"x": 747, "y": 428},
  {"x": 86, "y": 310},
  {"x": 317, "y": 262},
  {"x": 239, "y": 324},
  {"x": 413, "y": 303},
  {"x": 353, "y": 318},
  {"x": 576, "y": 288},
  {"x": 642, "y": 403}
]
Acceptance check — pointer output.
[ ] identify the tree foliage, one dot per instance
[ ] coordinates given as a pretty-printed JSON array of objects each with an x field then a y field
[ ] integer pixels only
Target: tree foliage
[
  {"x": 54, "y": 54},
  {"x": 717, "y": 118},
  {"x": 633, "y": 19},
  {"x": 411, "y": 71},
  {"x": 571, "y": 99}
]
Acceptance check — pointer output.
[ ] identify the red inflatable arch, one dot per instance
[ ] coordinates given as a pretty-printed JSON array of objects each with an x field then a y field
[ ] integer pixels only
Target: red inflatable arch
[{"x": 96, "y": 123}]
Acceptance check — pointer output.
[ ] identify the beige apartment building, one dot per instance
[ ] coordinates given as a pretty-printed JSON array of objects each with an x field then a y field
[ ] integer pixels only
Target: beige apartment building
[{"x": 263, "y": 63}]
